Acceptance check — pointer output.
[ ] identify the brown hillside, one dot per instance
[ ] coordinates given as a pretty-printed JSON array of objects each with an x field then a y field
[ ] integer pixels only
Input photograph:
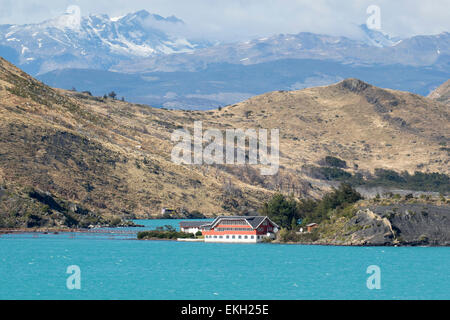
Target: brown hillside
[
  {"x": 113, "y": 157},
  {"x": 109, "y": 156},
  {"x": 362, "y": 124},
  {"x": 442, "y": 93}
]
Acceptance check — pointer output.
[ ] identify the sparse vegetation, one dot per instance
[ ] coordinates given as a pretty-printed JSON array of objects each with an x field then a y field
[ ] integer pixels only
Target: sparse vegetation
[
  {"x": 113, "y": 158},
  {"x": 334, "y": 162},
  {"x": 30, "y": 208},
  {"x": 286, "y": 211},
  {"x": 437, "y": 182},
  {"x": 164, "y": 233}
]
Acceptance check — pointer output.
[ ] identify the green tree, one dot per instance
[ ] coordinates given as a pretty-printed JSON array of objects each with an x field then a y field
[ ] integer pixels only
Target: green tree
[
  {"x": 285, "y": 211},
  {"x": 281, "y": 210}
]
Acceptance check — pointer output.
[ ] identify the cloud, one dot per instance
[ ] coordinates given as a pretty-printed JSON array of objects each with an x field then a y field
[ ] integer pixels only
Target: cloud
[{"x": 244, "y": 19}]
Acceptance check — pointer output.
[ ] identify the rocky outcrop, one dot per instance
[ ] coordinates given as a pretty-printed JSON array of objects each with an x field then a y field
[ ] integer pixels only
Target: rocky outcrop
[
  {"x": 401, "y": 224},
  {"x": 371, "y": 229}
]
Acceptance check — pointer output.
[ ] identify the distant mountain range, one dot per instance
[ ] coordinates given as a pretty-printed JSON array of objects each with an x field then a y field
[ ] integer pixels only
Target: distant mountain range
[
  {"x": 375, "y": 48},
  {"x": 94, "y": 42},
  {"x": 137, "y": 57},
  {"x": 222, "y": 84}
]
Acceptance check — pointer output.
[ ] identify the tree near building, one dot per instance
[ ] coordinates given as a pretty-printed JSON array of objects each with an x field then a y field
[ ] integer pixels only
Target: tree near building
[
  {"x": 281, "y": 210},
  {"x": 285, "y": 211}
]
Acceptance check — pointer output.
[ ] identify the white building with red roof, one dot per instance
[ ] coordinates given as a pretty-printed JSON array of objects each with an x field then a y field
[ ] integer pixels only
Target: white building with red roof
[{"x": 234, "y": 229}]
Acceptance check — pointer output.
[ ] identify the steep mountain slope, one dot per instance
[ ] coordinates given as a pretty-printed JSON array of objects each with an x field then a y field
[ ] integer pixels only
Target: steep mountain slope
[
  {"x": 110, "y": 157},
  {"x": 442, "y": 94},
  {"x": 95, "y": 41},
  {"x": 113, "y": 158}
]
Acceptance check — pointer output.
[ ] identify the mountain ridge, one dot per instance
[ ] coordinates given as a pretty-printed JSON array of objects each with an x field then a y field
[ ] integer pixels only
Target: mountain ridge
[
  {"x": 172, "y": 69},
  {"x": 94, "y": 41},
  {"x": 73, "y": 40},
  {"x": 414, "y": 51},
  {"x": 219, "y": 85}
]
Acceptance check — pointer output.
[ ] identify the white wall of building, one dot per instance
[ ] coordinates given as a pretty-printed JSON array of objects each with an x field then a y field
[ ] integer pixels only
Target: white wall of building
[{"x": 236, "y": 239}]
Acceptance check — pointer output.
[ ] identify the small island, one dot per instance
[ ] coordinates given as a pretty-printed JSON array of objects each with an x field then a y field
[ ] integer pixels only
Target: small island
[{"x": 166, "y": 233}]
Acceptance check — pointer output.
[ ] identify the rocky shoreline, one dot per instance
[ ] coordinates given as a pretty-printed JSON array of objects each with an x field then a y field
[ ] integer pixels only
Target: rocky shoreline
[
  {"x": 394, "y": 225},
  {"x": 385, "y": 225}
]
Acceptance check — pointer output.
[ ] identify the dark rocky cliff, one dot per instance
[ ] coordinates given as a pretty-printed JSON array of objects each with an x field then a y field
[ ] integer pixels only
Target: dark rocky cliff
[{"x": 401, "y": 224}]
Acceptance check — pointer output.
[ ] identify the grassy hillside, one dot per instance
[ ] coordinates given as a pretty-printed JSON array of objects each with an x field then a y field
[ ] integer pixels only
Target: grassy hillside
[
  {"x": 366, "y": 126},
  {"x": 112, "y": 158}
]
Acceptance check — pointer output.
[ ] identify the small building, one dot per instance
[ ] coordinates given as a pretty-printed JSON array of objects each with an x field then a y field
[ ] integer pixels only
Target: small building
[
  {"x": 312, "y": 226},
  {"x": 193, "y": 226},
  {"x": 239, "y": 229},
  {"x": 167, "y": 211}
]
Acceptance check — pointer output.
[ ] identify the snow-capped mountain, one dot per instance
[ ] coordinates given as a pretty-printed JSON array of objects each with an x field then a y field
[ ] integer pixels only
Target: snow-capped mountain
[
  {"x": 144, "y": 42},
  {"x": 95, "y": 41},
  {"x": 374, "y": 48},
  {"x": 143, "y": 57},
  {"x": 378, "y": 38}
]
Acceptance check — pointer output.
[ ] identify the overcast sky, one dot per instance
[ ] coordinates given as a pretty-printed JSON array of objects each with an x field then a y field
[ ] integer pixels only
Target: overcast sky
[{"x": 245, "y": 19}]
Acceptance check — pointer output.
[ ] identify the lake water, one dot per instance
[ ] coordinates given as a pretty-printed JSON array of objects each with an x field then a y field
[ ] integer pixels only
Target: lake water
[{"x": 118, "y": 267}]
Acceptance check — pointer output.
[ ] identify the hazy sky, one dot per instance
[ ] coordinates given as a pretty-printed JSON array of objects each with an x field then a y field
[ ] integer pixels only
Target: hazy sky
[{"x": 241, "y": 19}]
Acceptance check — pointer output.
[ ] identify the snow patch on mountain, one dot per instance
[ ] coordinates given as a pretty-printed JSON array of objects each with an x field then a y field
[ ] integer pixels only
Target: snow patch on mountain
[
  {"x": 378, "y": 38},
  {"x": 95, "y": 41}
]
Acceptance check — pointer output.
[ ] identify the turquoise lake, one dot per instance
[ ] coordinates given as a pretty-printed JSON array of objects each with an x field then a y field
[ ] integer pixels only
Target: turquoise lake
[{"x": 115, "y": 266}]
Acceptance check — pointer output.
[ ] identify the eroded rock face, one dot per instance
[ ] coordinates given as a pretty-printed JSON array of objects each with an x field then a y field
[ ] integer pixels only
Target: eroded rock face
[
  {"x": 402, "y": 224},
  {"x": 354, "y": 85},
  {"x": 371, "y": 228}
]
